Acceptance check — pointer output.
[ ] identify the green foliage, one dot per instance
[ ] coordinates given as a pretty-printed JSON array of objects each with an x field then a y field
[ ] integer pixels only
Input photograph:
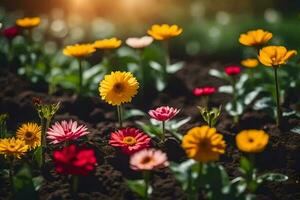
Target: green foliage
[
  {"x": 139, "y": 187},
  {"x": 153, "y": 128},
  {"x": 25, "y": 185},
  {"x": 3, "y": 127},
  {"x": 210, "y": 116}
]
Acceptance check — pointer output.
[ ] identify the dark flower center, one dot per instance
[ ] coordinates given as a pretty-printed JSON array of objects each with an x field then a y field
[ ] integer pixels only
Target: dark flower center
[
  {"x": 146, "y": 160},
  {"x": 118, "y": 87},
  {"x": 28, "y": 135}
]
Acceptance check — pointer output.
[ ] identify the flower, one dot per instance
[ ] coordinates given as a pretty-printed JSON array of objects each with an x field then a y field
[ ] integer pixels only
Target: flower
[
  {"x": 252, "y": 141},
  {"x": 118, "y": 87},
  {"x": 11, "y": 32},
  {"x": 163, "y": 113},
  {"x": 130, "y": 140},
  {"x": 250, "y": 62},
  {"x": 273, "y": 56},
  {"x": 203, "y": 144},
  {"x": 255, "y": 38},
  {"x": 232, "y": 70},
  {"x": 28, "y": 22},
  {"x": 74, "y": 160},
  {"x": 31, "y": 134},
  {"x": 111, "y": 43},
  {"x": 204, "y": 91},
  {"x": 13, "y": 147},
  {"x": 64, "y": 131},
  {"x": 148, "y": 159},
  {"x": 138, "y": 43},
  {"x": 164, "y": 31},
  {"x": 79, "y": 50}
]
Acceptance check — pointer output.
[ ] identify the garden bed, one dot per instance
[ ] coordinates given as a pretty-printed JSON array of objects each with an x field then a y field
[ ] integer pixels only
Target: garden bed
[{"x": 108, "y": 181}]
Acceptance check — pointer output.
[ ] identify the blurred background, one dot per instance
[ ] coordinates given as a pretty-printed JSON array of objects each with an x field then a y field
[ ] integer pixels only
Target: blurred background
[{"x": 211, "y": 27}]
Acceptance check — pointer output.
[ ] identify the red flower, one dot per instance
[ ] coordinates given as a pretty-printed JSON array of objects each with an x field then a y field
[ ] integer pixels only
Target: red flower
[
  {"x": 232, "y": 70},
  {"x": 204, "y": 91},
  {"x": 11, "y": 32},
  {"x": 163, "y": 113},
  {"x": 74, "y": 160},
  {"x": 130, "y": 140}
]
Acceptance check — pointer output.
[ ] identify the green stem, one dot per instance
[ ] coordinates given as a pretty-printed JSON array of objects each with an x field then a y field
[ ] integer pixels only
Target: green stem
[
  {"x": 278, "y": 120},
  {"x": 168, "y": 60},
  {"x": 146, "y": 175},
  {"x": 120, "y": 115},
  {"x": 235, "y": 103},
  {"x": 45, "y": 125},
  {"x": 11, "y": 174},
  {"x": 163, "y": 131},
  {"x": 80, "y": 75}
]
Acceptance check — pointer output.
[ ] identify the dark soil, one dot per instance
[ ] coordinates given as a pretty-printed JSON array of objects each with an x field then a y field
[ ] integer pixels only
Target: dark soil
[{"x": 108, "y": 182}]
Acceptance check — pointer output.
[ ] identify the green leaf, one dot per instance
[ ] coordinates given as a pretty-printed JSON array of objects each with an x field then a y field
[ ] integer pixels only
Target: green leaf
[
  {"x": 296, "y": 130},
  {"x": 171, "y": 69},
  {"x": 137, "y": 186},
  {"x": 37, "y": 182},
  {"x": 274, "y": 177},
  {"x": 217, "y": 73},
  {"x": 245, "y": 165},
  {"x": 38, "y": 155},
  {"x": 156, "y": 66},
  {"x": 133, "y": 113}
]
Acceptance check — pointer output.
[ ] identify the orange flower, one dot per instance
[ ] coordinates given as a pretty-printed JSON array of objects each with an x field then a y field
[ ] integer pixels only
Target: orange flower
[
  {"x": 164, "y": 32},
  {"x": 273, "y": 56},
  {"x": 111, "y": 43},
  {"x": 255, "y": 37},
  {"x": 250, "y": 62},
  {"x": 28, "y": 22}
]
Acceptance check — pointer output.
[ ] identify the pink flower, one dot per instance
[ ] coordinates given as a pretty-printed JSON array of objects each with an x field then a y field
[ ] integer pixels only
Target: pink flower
[
  {"x": 148, "y": 159},
  {"x": 64, "y": 131},
  {"x": 232, "y": 70},
  {"x": 204, "y": 91},
  {"x": 163, "y": 113},
  {"x": 138, "y": 43},
  {"x": 74, "y": 160},
  {"x": 130, "y": 140},
  {"x": 11, "y": 32}
]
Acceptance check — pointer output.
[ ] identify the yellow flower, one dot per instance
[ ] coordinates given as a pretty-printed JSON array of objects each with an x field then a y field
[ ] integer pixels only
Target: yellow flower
[
  {"x": 203, "y": 144},
  {"x": 111, "y": 43},
  {"x": 255, "y": 38},
  {"x": 250, "y": 62},
  {"x": 252, "y": 141},
  {"x": 79, "y": 50},
  {"x": 118, "y": 87},
  {"x": 273, "y": 56},
  {"x": 165, "y": 31},
  {"x": 13, "y": 147},
  {"x": 31, "y": 134},
  {"x": 28, "y": 22}
]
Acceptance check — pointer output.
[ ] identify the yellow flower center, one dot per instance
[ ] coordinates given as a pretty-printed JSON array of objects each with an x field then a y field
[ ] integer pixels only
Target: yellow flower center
[
  {"x": 146, "y": 160},
  {"x": 129, "y": 140},
  {"x": 118, "y": 87},
  {"x": 28, "y": 136}
]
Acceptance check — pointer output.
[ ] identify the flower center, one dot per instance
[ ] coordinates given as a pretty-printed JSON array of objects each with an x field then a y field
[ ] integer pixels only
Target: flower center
[
  {"x": 129, "y": 140},
  {"x": 28, "y": 135},
  {"x": 250, "y": 140},
  {"x": 11, "y": 146},
  {"x": 204, "y": 144},
  {"x": 146, "y": 160},
  {"x": 118, "y": 87}
]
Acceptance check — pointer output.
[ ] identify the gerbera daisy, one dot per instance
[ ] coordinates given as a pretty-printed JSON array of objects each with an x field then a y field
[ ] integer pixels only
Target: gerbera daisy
[
  {"x": 252, "y": 141},
  {"x": 203, "y": 144},
  {"x": 111, "y": 43},
  {"x": 13, "y": 147},
  {"x": 148, "y": 159},
  {"x": 130, "y": 140},
  {"x": 30, "y": 133},
  {"x": 64, "y": 131},
  {"x": 28, "y": 22},
  {"x": 118, "y": 87},
  {"x": 79, "y": 50}
]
